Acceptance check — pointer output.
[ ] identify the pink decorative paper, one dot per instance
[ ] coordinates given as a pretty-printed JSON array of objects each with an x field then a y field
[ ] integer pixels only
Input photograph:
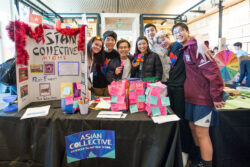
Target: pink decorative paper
[
  {"x": 141, "y": 106},
  {"x": 139, "y": 85},
  {"x": 148, "y": 109},
  {"x": 69, "y": 100},
  {"x": 146, "y": 83},
  {"x": 140, "y": 92},
  {"x": 78, "y": 85},
  {"x": 133, "y": 101},
  {"x": 163, "y": 110},
  {"x": 156, "y": 92},
  {"x": 159, "y": 102},
  {"x": 120, "y": 100},
  {"x": 132, "y": 86},
  {"x": 114, "y": 91},
  {"x": 122, "y": 106},
  {"x": 132, "y": 95},
  {"x": 114, "y": 107}
]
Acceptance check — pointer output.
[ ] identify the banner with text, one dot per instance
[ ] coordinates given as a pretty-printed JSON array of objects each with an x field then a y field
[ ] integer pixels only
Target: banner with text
[{"x": 90, "y": 144}]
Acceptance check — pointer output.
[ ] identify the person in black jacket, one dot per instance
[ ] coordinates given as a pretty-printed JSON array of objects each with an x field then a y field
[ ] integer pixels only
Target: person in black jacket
[
  {"x": 150, "y": 66},
  {"x": 175, "y": 86},
  {"x": 110, "y": 38},
  {"x": 120, "y": 67}
]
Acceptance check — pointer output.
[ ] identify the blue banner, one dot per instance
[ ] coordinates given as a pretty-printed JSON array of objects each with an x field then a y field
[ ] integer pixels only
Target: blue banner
[{"x": 90, "y": 144}]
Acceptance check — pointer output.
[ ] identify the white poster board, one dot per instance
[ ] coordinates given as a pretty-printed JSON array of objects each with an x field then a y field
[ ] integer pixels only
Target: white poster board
[{"x": 51, "y": 63}]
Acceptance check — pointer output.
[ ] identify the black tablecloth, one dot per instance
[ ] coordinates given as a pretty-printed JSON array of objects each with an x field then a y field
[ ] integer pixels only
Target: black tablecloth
[
  {"x": 41, "y": 141},
  {"x": 231, "y": 139}
]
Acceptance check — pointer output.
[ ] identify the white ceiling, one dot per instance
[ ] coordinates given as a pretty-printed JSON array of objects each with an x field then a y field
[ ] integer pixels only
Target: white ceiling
[{"x": 125, "y": 6}]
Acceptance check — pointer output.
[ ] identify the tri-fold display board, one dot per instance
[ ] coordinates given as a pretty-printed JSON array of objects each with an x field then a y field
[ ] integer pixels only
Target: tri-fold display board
[{"x": 54, "y": 60}]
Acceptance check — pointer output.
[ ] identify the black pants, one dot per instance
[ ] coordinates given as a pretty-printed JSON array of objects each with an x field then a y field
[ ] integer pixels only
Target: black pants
[{"x": 177, "y": 104}]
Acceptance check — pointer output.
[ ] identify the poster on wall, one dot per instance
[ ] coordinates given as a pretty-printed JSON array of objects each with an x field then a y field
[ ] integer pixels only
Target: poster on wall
[{"x": 53, "y": 60}]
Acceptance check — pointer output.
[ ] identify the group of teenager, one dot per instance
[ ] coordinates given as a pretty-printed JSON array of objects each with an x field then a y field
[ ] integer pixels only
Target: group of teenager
[{"x": 186, "y": 66}]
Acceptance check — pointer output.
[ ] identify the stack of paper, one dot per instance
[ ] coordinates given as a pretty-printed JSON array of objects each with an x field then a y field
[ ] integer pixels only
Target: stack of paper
[
  {"x": 117, "y": 91},
  {"x": 136, "y": 96},
  {"x": 165, "y": 118},
  {"x": 156, "y": 100},
  {"x": 238, "y": 102},
  {"x": 36, "y": 112},
  {"x": 103, "y": 104},
  {"x": 110, "y": 114}
]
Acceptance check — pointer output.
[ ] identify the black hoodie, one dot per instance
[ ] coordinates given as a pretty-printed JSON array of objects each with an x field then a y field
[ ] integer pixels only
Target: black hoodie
[
  {"x": 177, "y": 74},
  {"x": 113, "y": 64}
]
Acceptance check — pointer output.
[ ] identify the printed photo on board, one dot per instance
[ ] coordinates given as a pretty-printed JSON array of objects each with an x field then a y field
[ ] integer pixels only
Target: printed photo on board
[
  {"x": 45, "y": 89},
  {"x": 24, "y": 91},
  {"x": 49, "y": 68},
  {"x": 23, "y": 74},
  {"x": 36, "y": 68}
]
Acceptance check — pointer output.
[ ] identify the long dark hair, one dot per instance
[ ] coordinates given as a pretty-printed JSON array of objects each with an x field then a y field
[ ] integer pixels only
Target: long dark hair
[
  {"x": 99, "y": 58},
  {"x": 136, "y": 46}
]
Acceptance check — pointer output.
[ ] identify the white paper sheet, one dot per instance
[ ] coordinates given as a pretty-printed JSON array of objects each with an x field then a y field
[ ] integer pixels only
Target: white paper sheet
[
  {"x": 108, "y": 116},
  {"x": 124, "y": 115},
  {"x": 103, "y": 104},
  {"x": 111, "y": 114},
  {"x": 36, "y": 112},
  {"x": 165, "y": 118}
]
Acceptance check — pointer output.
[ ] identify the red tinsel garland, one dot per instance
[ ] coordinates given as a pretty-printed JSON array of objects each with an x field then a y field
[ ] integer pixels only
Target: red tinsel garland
[
  {"x": 73, "y": 32},
  {"x": 22, "y": 29}
]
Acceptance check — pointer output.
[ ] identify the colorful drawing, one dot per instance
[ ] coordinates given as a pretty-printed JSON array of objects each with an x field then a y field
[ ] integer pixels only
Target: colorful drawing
[
  {"x": 23, "y": 74},
  {"x": 44, "y": 89},
  {"x": 228, "y": 64},
  {"x": 49, "y": 68}
]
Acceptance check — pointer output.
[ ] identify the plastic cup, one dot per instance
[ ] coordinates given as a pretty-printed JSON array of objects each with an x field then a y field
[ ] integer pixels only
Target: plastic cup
[{"x": 84, "y": 109}]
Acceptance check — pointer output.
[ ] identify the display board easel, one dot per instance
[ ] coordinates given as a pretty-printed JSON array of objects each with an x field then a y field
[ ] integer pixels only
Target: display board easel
[{"x": 54, "y": 57}]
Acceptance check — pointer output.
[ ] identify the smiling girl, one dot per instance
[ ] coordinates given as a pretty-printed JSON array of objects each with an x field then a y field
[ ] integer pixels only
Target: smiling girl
[
  {"x": 97, "y": 66},
  {"x": 151, "y": 65}
]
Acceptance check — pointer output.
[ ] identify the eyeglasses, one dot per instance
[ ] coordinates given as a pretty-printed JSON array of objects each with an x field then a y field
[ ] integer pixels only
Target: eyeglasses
[{"x": 178, "y": 32}]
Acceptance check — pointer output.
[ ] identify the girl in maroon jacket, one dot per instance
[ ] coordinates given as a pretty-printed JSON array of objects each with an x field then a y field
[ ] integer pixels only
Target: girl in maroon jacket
[{"x": 203, "y": 88}]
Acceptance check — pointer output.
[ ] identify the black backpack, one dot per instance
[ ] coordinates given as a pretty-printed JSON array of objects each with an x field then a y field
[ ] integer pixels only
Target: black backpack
[{"x": 8, "y": 72}]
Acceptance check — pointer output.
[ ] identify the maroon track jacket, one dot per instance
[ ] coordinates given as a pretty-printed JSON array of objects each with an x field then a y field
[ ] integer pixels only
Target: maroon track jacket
[{"x": 203, "y": 84}]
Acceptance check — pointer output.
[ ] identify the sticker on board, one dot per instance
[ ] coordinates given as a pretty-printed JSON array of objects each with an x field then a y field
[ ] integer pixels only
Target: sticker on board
[
  {"x": 45, "y": 89},
  {"x": 23, "y": 74},
  {"x": 24, "y": 91},
  {"x": 36, "y": 68},
  {"x": 49, "y": 68}
]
